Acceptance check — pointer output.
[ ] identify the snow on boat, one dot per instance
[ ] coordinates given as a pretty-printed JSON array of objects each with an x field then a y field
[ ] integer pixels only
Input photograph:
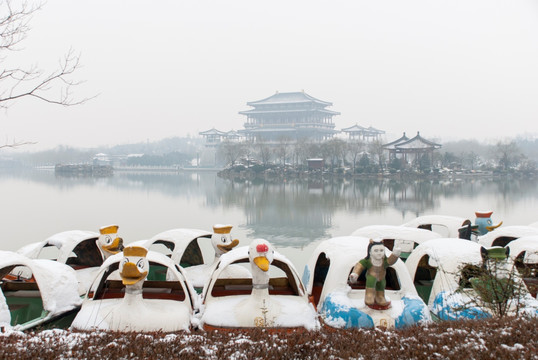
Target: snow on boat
[
  {"x": 445, "y": 225},
  {"x": 45, "y": 294},
  {"x": 273, "y": 297},
  {"x": 406, "y": 238},
  {"x": 82, "y": 250},
  {"x": 438, "y": 268},
  {"x": 121, "y": 299},
  {"x": 341, "y": 303},
  {"x": 504, "y": 235},
  {"x": 183, "y": 247},
  {"x": 524, "y": 253}
]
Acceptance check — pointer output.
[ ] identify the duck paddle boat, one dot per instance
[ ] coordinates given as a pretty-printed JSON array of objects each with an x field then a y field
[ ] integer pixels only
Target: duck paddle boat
[
  {"x": 346, "y": 300},
  {"x": 84, "y": 251},
  {"x": 444, "y": 273},
  {"x": 445, "y": 225},
  {"x": 406, "y": 238},
  {"x": 524, "y": 253},
  {"x": 122, "y": 299},
  {"x": 504, "y": 235},
  {"x": 272, "y": 298},
  {"x": 183, "y": 247},
  {"x": 44, "y": 294}
]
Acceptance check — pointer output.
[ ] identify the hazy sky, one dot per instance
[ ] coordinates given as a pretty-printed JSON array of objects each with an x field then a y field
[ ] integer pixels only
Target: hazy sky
[{"x": 162, "y": 68}]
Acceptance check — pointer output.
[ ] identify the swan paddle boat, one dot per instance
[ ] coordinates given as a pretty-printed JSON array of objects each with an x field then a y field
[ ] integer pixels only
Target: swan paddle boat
[
  {"x": 273, "y": 297},
  {"x": 341, "y": 303},
  {"x": 84, "y": 251},
  {"x": 504, "y": 235},
  {"x": 183, "y": 247},
  {"x": 44, "y": 294},
  {"x": 444, "y": 225},
  {"x": 443, "y": 270},
  {"x": 406, "y": 238},
  {"x": 524, "y": 253},
  {"x": 121, "y": 299}
]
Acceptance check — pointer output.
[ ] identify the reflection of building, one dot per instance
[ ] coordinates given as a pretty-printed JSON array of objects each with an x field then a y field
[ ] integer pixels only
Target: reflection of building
[
  {"x": 357, "y": 132},
  {"x": 411, "y": 150},
  {"x": 295, "y": 115}
]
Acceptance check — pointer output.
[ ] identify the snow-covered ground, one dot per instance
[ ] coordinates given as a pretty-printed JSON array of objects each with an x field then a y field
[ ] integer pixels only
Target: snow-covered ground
[{"x": 472, "y": 339}]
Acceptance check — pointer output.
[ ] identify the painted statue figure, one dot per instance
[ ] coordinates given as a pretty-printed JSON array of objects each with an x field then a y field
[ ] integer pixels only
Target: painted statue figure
[
  {"x": 375, "y": 264},
  {"x": 484, "y": 222},
  {"x": 109, "y": 242}
]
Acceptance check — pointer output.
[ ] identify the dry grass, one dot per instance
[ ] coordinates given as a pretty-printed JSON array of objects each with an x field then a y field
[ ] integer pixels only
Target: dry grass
[{"x": 479, "y": 339}]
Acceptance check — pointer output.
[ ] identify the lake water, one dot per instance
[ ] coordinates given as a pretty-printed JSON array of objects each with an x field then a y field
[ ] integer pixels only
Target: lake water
[{"x": 294, "y": 216}]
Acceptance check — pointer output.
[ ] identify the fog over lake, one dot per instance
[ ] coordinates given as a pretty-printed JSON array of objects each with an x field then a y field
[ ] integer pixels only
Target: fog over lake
[{"x": 294, "y": 215}]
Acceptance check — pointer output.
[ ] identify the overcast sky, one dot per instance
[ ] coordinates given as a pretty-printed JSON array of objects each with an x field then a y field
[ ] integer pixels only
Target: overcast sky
[{"x": 162, "y": 68}]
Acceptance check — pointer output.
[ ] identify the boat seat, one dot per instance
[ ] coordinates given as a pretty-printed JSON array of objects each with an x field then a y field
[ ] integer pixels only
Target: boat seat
[
  {"x": 229, "y": 287},
  {"x": 18, "y": 285},
  {"x": 165, "y": 290}
]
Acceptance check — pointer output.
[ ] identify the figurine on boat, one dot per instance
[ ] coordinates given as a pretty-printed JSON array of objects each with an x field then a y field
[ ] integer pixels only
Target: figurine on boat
[
  {"x": 45, "y": 294},
  {"x": 484, "y": 222},
  {"x": 375, "y": 265},
  {"x": 442, "y": 270},
  {"x": 132, "y": 303},
  {"x": 261, "y": 300},
  {"x": 84, "y": 251},
  {"x": 341, "y": 303},
  {"x": 183, "y": 246}
]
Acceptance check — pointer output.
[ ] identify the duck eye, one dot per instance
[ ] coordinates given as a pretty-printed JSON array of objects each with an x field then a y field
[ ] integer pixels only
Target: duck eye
[
  {"x": 223, "y": 239},
  {"x": 108, "y": 239},
  {"x": 140, "y": 264},
  {"x": 125, "y": 261}
]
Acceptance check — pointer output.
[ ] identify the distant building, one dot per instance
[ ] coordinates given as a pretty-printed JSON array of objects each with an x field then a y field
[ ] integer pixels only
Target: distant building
[
  {"x": 357, "y": 132},
  {"x": 294, "y": 116},
  {"x": 411, "y": 149}
]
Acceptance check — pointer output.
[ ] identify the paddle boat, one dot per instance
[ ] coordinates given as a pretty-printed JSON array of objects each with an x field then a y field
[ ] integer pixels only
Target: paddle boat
[
  {"x": 183, "y": 247},
  {"x": 121, "y": 299},
  {"x": 341, "y": 303},
  {"x": 445, "y": 225},
  {"x": 406, "y": 238},
  {"x": 442, "y": 271},
  {"x": 524, "y": 253},
  {"x": 504, "y": 235},
  {"x": 44, "y": 294},
  {"x": 84, "y": 251},
  {"x": 273, "y": 297}
]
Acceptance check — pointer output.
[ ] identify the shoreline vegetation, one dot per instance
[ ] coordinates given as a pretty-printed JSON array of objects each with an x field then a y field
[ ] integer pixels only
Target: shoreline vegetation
[{"x": 494, "y": 338}]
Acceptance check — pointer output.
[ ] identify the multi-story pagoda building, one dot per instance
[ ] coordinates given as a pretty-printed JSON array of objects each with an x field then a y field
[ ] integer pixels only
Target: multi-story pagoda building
[{"x": 290, "y": 116}]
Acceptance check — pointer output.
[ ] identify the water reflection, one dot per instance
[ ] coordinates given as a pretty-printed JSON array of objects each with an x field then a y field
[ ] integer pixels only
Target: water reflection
[{"x": 298, "y": 212}]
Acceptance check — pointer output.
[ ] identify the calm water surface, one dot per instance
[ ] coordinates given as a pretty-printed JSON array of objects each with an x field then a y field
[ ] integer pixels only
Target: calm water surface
[{"x": 294, "y": 216}]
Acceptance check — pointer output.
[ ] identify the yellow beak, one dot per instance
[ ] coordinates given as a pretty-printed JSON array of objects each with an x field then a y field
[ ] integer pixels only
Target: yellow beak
[
  {"x": 115, "y": 247},
  {"x": 130, "y": 274},
  {"x": 262, "y": 263},
  {"x": 493, "y": 227},
  {"x": 230, "y": 246}
]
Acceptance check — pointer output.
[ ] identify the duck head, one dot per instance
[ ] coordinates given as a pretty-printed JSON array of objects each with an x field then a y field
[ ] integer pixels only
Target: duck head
[
  {"x": 109, "y": 241},
  {"x": 261, "y": 254},
  {"x": 484, "y": 222},
  {"x": 222, "y": 240},
  {"x": 134, "y": 266}
]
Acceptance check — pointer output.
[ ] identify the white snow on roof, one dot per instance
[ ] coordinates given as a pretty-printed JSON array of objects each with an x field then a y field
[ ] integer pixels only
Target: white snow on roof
[
  {"x": 396, "y": 233},
  {"x": 65, "y": 241},
  {"x": 452, "y": 223},
  {"x": 529, "y": 244},
  {"x": 508, "y": 231},
  {"x": 57, "y": 282}
]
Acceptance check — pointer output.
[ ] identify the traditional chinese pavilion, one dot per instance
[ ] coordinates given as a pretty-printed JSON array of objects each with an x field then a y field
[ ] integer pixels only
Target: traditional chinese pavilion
[
  {"x": 293, "y": 116},
  {"x": 357, "y": 132},
  {"x": 411, "y": 149}
]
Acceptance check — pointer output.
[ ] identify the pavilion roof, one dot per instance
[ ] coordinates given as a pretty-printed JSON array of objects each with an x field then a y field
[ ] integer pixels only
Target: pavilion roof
[
  {"x": 392, "y": 144},
  {"x": 354, "y": 128},
  {"x": 288, "y": 98},
  {"x": 257, "y": 111},
  {"x": 213, "y": 131},
  {"x": 417, "y": 143}
]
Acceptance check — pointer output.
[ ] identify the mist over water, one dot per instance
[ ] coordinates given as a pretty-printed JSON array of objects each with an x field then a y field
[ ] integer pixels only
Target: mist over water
[{"x": 294, "y": 215}]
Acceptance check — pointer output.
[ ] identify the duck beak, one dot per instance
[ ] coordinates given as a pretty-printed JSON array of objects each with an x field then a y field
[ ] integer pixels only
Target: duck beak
[
  {"x": 130, "y": 274},
  {"x": 115, "y": 247},
  {"x": 230, "y": 246},
  {"x": 262, "y": 263},
  {"x": 493, "y": 227}
]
